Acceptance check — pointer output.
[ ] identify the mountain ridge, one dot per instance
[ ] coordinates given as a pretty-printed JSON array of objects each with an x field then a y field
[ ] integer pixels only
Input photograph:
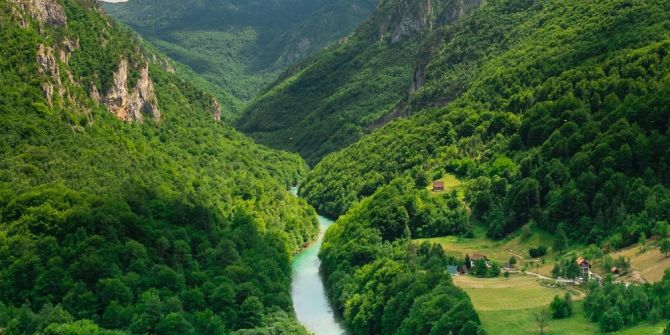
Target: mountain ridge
[
  {"x": 350, "y": 88},
  {"x": 241, "y": 46}
]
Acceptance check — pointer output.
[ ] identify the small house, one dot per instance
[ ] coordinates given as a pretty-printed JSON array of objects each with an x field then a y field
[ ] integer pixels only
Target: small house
[
  {"x": 438, "y": 186},
  {"x": 507, "y": 266},
  {"x": 614, "y": 270},
  {"x": 584, "y": 267},
  {"x": 452, "y": 269},
  {"x": 463, "y": 270},
  {"x": 476, "y": 257}
]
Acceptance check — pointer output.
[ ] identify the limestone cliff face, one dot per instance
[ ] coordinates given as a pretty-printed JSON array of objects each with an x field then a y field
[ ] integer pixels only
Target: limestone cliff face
[
  {"x": 48, "y": 66},
  {"x": 132, "y": 106},
  {"x": 407, "y": 18},
  {"x": 49, "y": 12},
  {"x": 216, "y": 110}
]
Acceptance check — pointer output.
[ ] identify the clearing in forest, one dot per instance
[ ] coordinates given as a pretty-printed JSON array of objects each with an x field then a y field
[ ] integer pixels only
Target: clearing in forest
[{"x": 515, "y": 292}]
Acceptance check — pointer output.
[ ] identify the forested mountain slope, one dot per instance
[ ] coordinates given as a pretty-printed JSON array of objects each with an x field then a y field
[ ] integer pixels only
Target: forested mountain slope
[
  {"x": 242, "y": 45},
  {"x": 330, "y": 101},
  {"x": 124, "y": 204},
  {"x": 552, "y": 113},
  {"x": 563, "y": 121}
]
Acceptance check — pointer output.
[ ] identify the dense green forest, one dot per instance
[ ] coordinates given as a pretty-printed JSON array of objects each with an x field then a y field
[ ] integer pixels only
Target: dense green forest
[
  {"x": 551, "y": 113},
  {"x": 380, "y": 281},
  {"x": 330, "y": 101},
  {"x": 240, "y": 45},
  {"x": 174, "y": 225},
  {"x": 563, "y": 122},
  {"x": 615, "y": 306}
]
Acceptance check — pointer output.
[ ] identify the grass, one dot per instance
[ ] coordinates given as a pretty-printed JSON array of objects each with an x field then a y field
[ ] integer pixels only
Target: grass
[
  {"x": 451, "y": 182},
  {"x": 520, "y": 322},
  {"x": 651, "y": 264},
  {"x": 499, "y": 251},
  {"x": 508, "y": 306},
  {"x": 517, "y": 292}
]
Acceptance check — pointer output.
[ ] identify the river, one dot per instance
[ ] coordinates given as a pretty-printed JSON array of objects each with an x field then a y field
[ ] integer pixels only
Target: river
[{"x": 310, "y": 302}]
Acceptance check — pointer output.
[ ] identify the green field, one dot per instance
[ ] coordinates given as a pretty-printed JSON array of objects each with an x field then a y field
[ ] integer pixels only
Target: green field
[
  {"x": 520, "y": 322},
  {"x": 508, "y": 306},
  {"x": 499, "y": 251},
  {"x": 516, "y": 292},
  {"x": 451, "y": 182}
]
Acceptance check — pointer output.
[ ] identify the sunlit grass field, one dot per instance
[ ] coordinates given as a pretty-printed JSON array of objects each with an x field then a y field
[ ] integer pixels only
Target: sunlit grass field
[
  {"x": 515, "y": 292},
  {"x": 521, "y": 322},
  {"x": 508, "y": 307}
]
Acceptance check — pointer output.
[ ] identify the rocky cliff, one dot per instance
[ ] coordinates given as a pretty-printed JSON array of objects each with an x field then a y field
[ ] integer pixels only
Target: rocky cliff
[
  {"x": 130, "y": 102},
  {"x": 132, "y": 105},
  {"x": 47, "y": 12}
]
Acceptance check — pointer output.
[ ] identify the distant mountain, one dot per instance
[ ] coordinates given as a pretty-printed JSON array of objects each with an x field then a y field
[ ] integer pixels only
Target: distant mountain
[
  {"x": 357, "y": 85},
  {"x": 126, "y": 205},
  {"x": 242, "y": 45}
]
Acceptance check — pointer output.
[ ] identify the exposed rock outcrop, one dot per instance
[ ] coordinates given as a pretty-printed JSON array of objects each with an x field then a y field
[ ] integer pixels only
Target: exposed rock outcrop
[
  {"x": 68, "y": 46},
  {"x": 48, "y": 66},
  {"x": 216, "y": 110},
  {"x": 49, "y": 12},
  {"x": 133, "y": 106},
  {"x": 410, "y": 17}
]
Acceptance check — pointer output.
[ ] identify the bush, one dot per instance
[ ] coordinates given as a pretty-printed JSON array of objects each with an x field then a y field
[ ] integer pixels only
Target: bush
[
  {"x": 561, "y": 308},
  {"x": 611, "y": 320},
  {"x": 537, "y": 252}
]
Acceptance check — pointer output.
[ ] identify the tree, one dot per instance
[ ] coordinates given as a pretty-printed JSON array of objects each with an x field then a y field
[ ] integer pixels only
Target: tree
[
  {"x": 667, "y": 330},
  {"x": 541, "y": 320},
  {"x": 642, "y": 242},
  {"x": 174, "y": 324},
  {"x": 664, "y": 246},
  {"x": 623, "y": 264},
  {"x": 512, "y": 261},
  {"x": 526, "y": 232},
  {"x": 468, "y": 263},
  {"x": 611, "y": 320},
  {"x": 561, "y": 307},
  {"x": 561, "y": 240},
  {"x": 661, "y": 229},
  {"x": 251, "y": 313},
  {"x": 494, "y": 270},
  {"x": 480, "y": 268}
]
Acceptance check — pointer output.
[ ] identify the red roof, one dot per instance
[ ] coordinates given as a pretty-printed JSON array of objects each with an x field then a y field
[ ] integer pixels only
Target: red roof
[
  {"x": 476, "y": 257},
  {"x": 438, "y": 184}
]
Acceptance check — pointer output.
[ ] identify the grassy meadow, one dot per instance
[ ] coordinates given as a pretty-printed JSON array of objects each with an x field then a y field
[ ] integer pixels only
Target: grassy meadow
[{"x": 508, "y": 307}]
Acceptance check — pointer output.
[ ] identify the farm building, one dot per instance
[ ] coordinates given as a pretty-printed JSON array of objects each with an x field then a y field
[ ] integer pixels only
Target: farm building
[
  {"x": 438, "y": 186},
  {"x": 584, "y": 267},
  {"x": 476, "y": 257},
  {"x": 452, "y": 269}
]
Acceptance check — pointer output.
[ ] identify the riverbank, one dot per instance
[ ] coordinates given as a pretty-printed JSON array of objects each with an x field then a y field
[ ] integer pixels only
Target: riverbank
[{"x": 310, "y": 301}]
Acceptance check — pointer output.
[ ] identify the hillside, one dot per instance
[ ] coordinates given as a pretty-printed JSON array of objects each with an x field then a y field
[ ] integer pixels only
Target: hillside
[
  {"x": 564, "y": 121},
  {"x": 241, "y": 46},
  {"x": 126, "y": 205},
  {"x": 547, "y": 113},
  {"x": 330, "y": 101}
]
